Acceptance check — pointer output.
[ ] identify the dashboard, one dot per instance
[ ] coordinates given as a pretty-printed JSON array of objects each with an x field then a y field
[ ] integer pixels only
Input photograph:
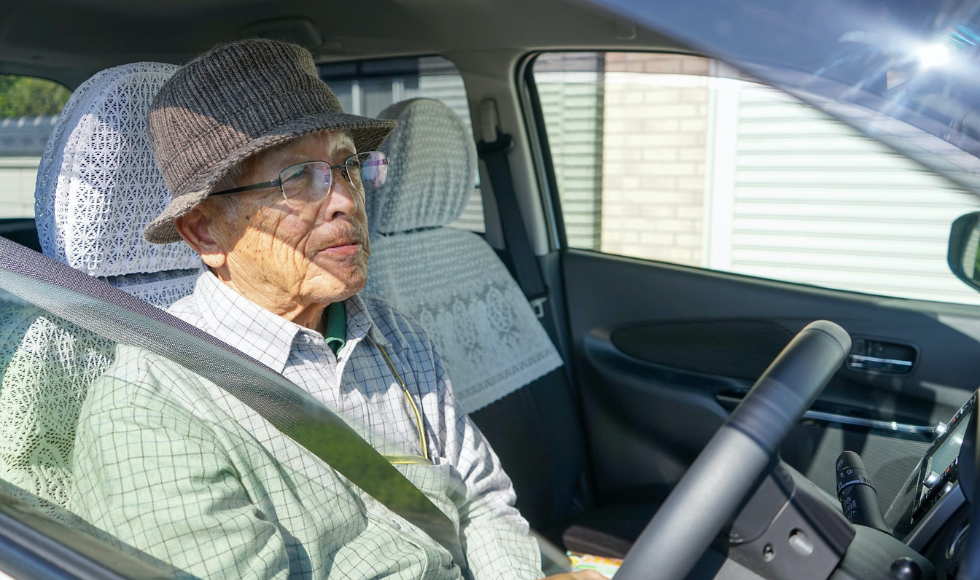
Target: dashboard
[
  {"x": 791, "y": 528},
  {"x": 936, "y": 476},
  {"x": 931, "y": 514}
]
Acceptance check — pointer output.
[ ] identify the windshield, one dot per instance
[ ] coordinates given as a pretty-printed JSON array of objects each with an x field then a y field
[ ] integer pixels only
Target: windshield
[{"x": 904, "y": 73}]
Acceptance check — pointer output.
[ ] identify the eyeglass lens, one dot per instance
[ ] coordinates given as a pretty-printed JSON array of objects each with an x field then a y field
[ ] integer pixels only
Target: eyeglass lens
[{"x": 313, "y": 179}]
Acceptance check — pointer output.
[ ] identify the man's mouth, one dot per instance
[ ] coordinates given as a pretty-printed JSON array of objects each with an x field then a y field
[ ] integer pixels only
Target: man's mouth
[
  {"x": 349, "y": 241},
  {"x": 342, "y": 248}
]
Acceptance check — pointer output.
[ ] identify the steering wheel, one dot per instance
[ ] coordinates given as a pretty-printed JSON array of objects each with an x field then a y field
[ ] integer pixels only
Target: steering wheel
[{"x": 727, "y": 469}]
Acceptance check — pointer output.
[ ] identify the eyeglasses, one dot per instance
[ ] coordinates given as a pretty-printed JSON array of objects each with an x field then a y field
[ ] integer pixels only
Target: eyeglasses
[{"x": 311, "y": 181}]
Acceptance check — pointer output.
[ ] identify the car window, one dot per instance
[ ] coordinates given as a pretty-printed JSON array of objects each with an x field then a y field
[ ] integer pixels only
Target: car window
[
  {"x": 130, "y": 427},
  {"x": 62, "y": 353},
  {"x": 29, "y": 108},
  {"x": 681, "y": 159},
  {"x": 366, "y": 88},
  {"x": 47, "y": 366}
]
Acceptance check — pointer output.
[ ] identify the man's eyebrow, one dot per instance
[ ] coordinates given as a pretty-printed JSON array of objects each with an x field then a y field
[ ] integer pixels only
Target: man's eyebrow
[
  {"x": 287, "y": 156},
  {"x": 346, "y": 147},
  {"x": 279, "y": 157}
]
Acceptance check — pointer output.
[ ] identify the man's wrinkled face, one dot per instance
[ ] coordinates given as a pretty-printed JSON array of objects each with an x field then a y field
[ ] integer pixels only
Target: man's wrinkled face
[{"x": 314, "y": 252}]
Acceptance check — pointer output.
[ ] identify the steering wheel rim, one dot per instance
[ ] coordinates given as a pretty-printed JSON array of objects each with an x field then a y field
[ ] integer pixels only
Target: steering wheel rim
[{"x": 727, "y": 469}]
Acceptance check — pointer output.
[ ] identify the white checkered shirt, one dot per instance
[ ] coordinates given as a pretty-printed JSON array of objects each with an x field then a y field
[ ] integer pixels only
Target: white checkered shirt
[{"x": 230, "y": 484}]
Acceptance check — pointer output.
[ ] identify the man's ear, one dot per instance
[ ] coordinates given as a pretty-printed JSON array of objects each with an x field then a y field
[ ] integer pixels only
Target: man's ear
[{"x": 195, "y": 228}]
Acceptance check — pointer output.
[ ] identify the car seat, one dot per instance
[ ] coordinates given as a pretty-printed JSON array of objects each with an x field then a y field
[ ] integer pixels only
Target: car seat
[
  {"x": 97, "y": 187},
  {"x": 504, "y": 368}
]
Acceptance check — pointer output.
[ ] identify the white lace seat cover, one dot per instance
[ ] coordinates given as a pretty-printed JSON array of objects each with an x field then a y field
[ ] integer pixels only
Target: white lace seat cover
[
  {"x": 450, "y": 280},
  {"x": 47, "y": 364},
  {"x": 98, "y": 187}
]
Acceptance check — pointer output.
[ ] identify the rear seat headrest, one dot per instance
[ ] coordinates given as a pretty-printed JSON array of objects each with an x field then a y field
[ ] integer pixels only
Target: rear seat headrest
[
  {"x": 98, "y": 184},
  {"x": 421, "y": 193}
]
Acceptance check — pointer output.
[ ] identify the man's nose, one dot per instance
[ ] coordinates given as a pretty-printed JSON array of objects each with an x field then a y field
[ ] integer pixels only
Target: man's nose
[{"x": 341, "y": 202}]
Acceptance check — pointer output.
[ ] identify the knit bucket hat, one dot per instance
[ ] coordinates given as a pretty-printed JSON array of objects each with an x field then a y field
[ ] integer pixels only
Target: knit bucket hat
[{"x": 230, "y": 103}]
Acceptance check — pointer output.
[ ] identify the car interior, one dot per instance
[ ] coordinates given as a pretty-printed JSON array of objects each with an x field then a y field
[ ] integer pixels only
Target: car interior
[{"x": 615, "y": 386}]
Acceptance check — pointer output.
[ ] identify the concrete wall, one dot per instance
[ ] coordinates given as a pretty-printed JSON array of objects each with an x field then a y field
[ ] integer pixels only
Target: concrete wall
[
  {"x": 22, "y": 142},
  {"x": 17, "y": 176}
]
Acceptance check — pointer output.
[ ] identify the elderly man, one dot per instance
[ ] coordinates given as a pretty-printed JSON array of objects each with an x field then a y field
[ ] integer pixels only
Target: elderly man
[{"x": 268, "y": 178}]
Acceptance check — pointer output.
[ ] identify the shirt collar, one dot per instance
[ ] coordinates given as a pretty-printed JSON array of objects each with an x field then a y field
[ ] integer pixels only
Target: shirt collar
[
  {"x": 265, "y": 336},
  {"x": 243, "y": 324},
  {"x": 360, "y": 322}
]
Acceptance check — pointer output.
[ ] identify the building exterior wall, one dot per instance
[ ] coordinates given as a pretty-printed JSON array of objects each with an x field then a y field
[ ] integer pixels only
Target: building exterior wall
[
  {"x": 655, "y": 134},
  {"x": 17, "y": 178},
  {"x": 663, "y": 157},
  {"x": 814, "y": 201},
  {"x": 22, "y": 142},
  {"x": 696, "y": 165},
  {"x": 571, "y": 93}
]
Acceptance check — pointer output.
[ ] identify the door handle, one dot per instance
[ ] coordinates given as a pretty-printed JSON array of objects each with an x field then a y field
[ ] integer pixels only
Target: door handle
[
  {"x": 873, "y": 363},
  {"x": 870, "y": 355}
]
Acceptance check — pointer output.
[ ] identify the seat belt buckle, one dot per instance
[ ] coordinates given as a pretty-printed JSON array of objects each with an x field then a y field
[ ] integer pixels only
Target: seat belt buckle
[{"x": 537, "y": 305}]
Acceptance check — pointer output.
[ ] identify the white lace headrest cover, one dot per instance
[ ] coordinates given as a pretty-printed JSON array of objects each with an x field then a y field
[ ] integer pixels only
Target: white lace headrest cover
[
  {"x": 98, "y": 185},
  {"x": 432, "y": 172}
]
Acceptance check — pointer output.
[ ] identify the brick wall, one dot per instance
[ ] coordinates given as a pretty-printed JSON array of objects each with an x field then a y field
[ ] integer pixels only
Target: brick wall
[{"x": 655, "y": 149}]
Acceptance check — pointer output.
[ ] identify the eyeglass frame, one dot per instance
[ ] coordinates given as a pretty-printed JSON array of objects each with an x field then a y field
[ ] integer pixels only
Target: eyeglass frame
[{"x": 278, "y": 182}]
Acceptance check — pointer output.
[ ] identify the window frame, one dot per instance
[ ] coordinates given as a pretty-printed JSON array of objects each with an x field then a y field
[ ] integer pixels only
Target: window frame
[
  {"x": 547, "y": 176},
  {"x": 51, "y": 550},
  {"x": 537, "y": 134}
]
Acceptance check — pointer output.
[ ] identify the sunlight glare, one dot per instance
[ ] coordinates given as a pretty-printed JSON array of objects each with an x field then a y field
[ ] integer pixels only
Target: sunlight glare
[{"x": 933, "y": 55}]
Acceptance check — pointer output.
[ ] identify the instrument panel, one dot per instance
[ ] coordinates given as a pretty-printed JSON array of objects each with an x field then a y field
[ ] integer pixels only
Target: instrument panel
[{"x": 936, "y": 475}]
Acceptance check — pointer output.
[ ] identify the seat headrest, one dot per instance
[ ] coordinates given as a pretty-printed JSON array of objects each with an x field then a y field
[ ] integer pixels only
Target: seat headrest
[
  {"x": 432, "y": 171},
  {"x": 98, "y": 184}
]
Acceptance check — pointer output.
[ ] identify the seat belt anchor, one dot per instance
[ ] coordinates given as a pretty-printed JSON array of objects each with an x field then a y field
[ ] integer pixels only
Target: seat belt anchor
[
  {"x": 537, "y": 305},
  {"x": 503, "y": 143}
]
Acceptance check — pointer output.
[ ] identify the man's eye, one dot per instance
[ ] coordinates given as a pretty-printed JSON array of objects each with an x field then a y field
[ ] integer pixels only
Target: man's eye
[{"x": 294, "y": 173}]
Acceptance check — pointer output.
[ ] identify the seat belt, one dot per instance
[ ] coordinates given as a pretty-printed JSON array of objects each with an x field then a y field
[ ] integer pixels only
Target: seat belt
[
  {"x": 518, "y": 243},
  {"x": 105, "y": 310}
]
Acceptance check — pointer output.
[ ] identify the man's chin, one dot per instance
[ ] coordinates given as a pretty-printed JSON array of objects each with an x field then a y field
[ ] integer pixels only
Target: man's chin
[{"x": 329, "y": 288}]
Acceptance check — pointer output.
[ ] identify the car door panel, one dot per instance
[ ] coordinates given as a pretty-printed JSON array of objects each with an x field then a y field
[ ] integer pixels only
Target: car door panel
[{"x": 664, "y": 352}]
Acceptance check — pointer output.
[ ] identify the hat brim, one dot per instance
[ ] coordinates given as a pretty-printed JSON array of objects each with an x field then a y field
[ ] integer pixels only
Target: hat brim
[{"x": 366, "y": 133}]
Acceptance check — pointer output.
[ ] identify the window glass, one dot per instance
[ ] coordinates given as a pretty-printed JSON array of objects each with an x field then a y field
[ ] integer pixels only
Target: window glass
[
  {"x": 366, "y": 88},
  {"x": 81, "y": 431},
  {"x": 29, "y": 108},
  {"x": 47, "y": 366},
  {"x": 681, "y": 159},
  {"x": 172, "y": 449}
]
